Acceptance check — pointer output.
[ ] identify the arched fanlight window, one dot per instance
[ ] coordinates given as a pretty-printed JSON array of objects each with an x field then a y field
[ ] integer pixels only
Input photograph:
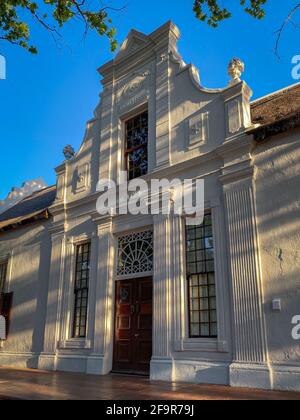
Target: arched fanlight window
[{"x": 135, "y": 253}]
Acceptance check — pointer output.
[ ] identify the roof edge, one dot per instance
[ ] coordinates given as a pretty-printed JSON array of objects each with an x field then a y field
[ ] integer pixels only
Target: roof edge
[{"x": 277, "y": 92}]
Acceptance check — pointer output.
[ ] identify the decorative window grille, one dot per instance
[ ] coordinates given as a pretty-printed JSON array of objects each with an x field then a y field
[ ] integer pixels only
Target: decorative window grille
[
  {"x": 136, "y": 153},
  {"x": 3, "y": 274},
  {"x": 135, "y": 253},
  {"x": 201, "y": 280},
  {"x": 81, "y": 290}
]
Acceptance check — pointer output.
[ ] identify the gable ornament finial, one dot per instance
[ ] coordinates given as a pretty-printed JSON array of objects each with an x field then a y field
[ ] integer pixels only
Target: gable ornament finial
[
  {"x": 69, "y": 152},
  {"x": 236, "y": 68}
]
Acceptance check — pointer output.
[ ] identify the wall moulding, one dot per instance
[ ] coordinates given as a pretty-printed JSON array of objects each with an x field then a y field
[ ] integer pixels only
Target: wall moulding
[
  {"x": 201, "y": 346},
  {"x": 246, "y": 281},
  {"x": 134, "y": 90},
  {"x": 197, "y": 130},
  {"x": 237, "y": 105},
  {"x": 81, "y": 178},
  {"x": 60, "y": 185},
  {"x": 238, "y": 176},
  {"x": 77, "y": 240},
  {"x": 75, "y": 344}
]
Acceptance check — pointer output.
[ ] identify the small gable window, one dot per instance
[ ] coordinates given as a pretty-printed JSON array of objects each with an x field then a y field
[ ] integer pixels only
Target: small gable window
[{"x": 136, "y": 148}]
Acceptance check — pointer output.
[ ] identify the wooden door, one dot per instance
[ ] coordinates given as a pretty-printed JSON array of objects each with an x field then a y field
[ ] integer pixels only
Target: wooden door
[{"x": 133, "y": 326}]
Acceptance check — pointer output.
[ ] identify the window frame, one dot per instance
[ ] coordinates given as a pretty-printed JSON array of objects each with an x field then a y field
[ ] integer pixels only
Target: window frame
[
  {"x": 78, "y": 290},
  {"x": 127, "y": 151},
  {"x": 182, "y": 342},
  {"x": 4, "y": 262},
  {"x": 188, "y": 285}
]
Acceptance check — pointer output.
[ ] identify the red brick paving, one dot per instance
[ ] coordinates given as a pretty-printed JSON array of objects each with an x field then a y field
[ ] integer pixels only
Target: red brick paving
[{"x": 39, "y": 385}]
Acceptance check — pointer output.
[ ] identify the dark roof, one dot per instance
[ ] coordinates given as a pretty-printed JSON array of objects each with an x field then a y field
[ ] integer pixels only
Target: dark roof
[
  {"x": 29, "y": 209},
  {"x": 277, "y": 106}
]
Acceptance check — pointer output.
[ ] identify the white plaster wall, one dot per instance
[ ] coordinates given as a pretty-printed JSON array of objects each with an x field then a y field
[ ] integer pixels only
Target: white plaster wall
[
  {"x": 29, "y": 250},
  {"x": 187, "y": 99},
  {"x": 278, "y": 210}
]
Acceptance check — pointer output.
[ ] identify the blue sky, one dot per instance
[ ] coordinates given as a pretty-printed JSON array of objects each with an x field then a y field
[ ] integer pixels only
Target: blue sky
[{"x": 47, "y": 99}]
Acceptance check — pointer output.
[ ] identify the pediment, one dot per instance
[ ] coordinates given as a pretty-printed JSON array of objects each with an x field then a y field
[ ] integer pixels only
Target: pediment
[{"x": 134, "y": 41}]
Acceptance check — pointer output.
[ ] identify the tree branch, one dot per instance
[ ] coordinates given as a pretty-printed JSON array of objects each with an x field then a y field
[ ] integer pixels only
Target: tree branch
[
  {"x": 286, "y": 22},
  {"x": 42, "y": 22}
]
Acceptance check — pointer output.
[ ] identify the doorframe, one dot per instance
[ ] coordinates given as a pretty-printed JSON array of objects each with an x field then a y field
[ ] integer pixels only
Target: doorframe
[{"x": 136, "y": 277}]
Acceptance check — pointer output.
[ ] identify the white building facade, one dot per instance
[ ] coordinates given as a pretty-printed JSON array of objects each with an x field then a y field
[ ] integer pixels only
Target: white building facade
[{"x": 146, "y": 293}]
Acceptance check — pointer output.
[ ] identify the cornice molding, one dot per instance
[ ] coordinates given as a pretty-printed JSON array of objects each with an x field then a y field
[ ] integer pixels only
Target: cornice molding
[
  {"x": 241, "y": 141},
  {"x": 239, "y": 174},
  {"x": 57, "y": 229},
  {"x": 155, "y": 41},
  {"x": 237, "y": 89}
]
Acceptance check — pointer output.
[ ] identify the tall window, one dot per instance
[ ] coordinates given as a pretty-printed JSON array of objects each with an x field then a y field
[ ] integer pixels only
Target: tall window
[
  {"x": 136, "y": 153},
  {"x": 81, "y": 290},
  {"x": 3, "y": 273},
  {"x": 201, "y": 280}
]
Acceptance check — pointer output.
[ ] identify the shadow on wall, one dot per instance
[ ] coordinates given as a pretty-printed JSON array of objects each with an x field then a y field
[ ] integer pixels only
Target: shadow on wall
[
  {"x": 278, "y": 212},
  {"x": 29, "y": 282}
]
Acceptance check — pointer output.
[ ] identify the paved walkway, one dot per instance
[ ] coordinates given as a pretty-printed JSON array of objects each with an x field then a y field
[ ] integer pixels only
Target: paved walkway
[{"x": 38, "y": 385}]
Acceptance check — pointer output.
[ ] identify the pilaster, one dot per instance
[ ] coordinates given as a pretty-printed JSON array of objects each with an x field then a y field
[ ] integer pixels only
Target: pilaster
[
  {"x": 163, "y": 131},
  {"x": 179, "y": 280},
  {"x": 47, "y": 359},
  {"x": 163, "y": 91},
  {"x": 162, "y": 363},
  {"x": 106, "y": 144},
  {"x": 250, "y": 367},
  {"x": 100, "y": 362},
  {"x": 237, "y": 107}
]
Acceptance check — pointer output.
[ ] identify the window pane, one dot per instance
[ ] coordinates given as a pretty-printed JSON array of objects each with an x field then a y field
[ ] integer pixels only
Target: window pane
[
  {"x": 201, "y": 277},
  {"x": 195, "y": 305},
  {"x": 195, "y": 292},
  {"x": 214, "y": 329},
  {"x": 81, "y": 290},
  {"x": 136, "y": 152},
  {"x": 205, "y": 316},
  {"x": 194, "y": 280},
  {"x": 204, "y": 304},
  {"x": 213, "y": 303},
  {"x": 201, "y": 267},
  {"x": 195, "y": 317},
  {"x": 203, "y": 292},
  {"x": 204, "y": 330},
  {"x": 213, "y": 316},
  {"x": 192, "y": 268},
  {"x": 203, "y": 280},
  {"x": 195, "y": 330}
]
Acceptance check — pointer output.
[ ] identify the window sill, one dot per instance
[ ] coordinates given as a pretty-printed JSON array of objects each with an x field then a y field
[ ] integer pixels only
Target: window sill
[
  {"x": 202, "y": 345},
  {"x": 75, "y": 344}
]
